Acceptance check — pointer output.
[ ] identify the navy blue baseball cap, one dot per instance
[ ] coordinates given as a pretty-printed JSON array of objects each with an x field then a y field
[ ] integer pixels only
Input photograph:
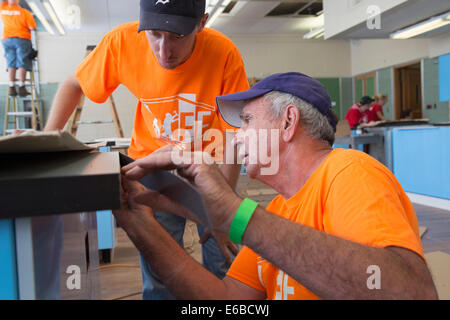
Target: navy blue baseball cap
[
  {"x": 176, "y": 16},
  {"x": 295, "y": 83},
  {"x": 366, "y": 100}
]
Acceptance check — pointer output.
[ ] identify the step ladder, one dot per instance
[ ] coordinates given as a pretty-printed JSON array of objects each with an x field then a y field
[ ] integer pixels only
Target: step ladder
[
  {"x": 32, "y": 117},
  {"x": 15, "y": 111},
  {"x": 74, "y": 120}
]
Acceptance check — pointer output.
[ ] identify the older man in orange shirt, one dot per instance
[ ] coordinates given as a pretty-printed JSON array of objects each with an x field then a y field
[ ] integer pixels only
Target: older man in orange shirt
[
  {"x": 341, "y": 228},
  {"x": 17, "y": 25}
]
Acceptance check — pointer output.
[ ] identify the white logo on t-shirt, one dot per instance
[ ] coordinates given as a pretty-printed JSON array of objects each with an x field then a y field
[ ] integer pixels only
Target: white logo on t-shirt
[
  {"x": 162, "y": 1},
  {"x": 11, "y": 12},
  {"x": 183, "y": 111}
]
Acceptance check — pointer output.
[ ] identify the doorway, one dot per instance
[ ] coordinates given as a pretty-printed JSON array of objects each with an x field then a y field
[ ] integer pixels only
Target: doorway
[
  {"x": 408, "y": 92},
  {"x": 365, "y": 85}
]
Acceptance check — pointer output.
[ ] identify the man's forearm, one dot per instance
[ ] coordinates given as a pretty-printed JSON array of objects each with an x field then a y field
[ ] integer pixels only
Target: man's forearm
[
  {"x": 331, "y": 267},
  {"x": 231, "y": 173},
  {"x": 181, "y": 274},
  {"x": 64, "y": 103}
]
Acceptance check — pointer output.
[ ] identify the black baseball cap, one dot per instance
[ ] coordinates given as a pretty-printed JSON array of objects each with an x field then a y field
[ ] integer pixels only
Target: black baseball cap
[
  {"x": 176, "y": 16},
  {"x": 366, "y": 100},
  {"x": 295, "y": 83}
]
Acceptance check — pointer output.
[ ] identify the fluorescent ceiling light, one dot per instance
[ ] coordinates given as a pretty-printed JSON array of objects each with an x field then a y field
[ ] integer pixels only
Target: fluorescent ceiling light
[
  {"x": 217, "y": 11},
  {"x": 238, "y": 7},
  {"x": 41, "y": 17},
  {"x": 54, "y": 17},
  {"x": 315, "y": 34},
  {"x": 423, "y": 27}
]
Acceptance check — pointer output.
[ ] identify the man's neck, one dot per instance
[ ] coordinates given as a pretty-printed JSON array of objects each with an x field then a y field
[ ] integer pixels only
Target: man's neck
[{"x": 297, "y": 164}]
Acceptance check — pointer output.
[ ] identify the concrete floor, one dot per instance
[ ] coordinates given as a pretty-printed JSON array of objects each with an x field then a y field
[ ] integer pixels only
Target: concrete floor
[{"x": 122, "y": 278}]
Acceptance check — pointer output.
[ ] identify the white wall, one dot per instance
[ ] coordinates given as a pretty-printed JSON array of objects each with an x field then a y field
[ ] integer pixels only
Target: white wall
[
  {"x": 440, "y": 45},
  {"x": 126, "y": 108},
  {"x": 58, "y": 56},
  {"x": 374, "y": 54},
  {"x": 264, "y": 55}
]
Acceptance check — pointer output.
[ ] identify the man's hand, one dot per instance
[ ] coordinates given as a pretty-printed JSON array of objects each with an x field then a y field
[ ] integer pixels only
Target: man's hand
[
  {"x": 227, "y": 247},
  {"x": 160, "y": 202},
  {"x": 221, "y": 201},
  {"x": 133, "y": 215}
]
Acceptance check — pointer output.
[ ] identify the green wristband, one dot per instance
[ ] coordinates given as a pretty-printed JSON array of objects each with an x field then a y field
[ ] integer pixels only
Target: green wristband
[{"x": 241, "y": 219}]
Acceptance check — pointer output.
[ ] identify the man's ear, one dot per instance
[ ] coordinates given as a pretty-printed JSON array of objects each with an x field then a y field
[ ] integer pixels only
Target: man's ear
[
  {"x": 289, "y": 123},
  {"x": 202, "y": 23}
]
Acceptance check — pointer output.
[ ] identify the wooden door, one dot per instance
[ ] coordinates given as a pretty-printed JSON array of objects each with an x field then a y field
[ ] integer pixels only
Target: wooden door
[
  {"x": 408, "y": 91},
  {"x": 413, "y": 92}
]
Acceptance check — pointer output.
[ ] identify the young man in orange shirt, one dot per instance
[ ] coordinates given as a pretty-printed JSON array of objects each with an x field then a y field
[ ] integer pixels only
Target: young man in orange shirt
[
  {"x": 341, "y": 228},
  {"x": 175, "y": 67},
  {"x": 17, "y": 26}
]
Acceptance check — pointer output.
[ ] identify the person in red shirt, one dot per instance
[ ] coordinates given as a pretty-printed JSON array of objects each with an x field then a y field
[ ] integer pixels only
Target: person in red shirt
[
  {"x": 376, "y": 110},
  {"x": 17, "y": 25},
  {"x": 357, "y": 114}
]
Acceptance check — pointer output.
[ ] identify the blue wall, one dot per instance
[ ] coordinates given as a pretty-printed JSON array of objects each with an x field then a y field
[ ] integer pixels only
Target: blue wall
[
  {"x": 421, "y": 160},
  {"x": 444, "y": 78},
  {"x": 8, "y": 268}
]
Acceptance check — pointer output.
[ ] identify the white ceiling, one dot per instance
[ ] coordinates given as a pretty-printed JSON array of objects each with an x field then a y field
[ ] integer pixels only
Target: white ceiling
[
  {"x": 411, "y": 12},
  {"x": 251, "y": 19},
  {"x": 103, "y": 15}
]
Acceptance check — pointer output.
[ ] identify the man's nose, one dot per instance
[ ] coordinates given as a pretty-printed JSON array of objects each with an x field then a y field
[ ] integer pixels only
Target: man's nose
[
  {"x": 237, "y": 139},
  {"x": 165, "y": 48}
]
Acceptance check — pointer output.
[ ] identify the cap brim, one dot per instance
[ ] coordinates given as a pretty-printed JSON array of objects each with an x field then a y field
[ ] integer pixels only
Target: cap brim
[
  {"x": 165, "y": 22},
  {"x": 231, "y": 105}
]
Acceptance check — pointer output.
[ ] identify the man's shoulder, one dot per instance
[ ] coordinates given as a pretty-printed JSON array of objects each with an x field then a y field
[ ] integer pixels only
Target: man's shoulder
[
  {"x": 217, "y": 39},
  {"x": 127, "y": 29},
  {"x": 354, "y": 162},
  {"x": 124, "y": 33},
  {"x": 276, "y": 204},
  {"x": 345, "y": 157}
]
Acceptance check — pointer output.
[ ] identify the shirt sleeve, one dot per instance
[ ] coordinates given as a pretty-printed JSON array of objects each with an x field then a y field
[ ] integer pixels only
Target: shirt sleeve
[
  {"x": 379, "y": 109},
  {"x": 98, "y": 73},
  {"x": 244, "y": 269},
  {"x": 30, "y": 20},
  {"x": 353, "y": 118},
  {"x": 235, "y": 80},
  {"x": 368, "y": 206}
]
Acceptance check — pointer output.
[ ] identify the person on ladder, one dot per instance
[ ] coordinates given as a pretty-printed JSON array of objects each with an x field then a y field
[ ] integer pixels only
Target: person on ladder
[{"x": 17, "y": 26}]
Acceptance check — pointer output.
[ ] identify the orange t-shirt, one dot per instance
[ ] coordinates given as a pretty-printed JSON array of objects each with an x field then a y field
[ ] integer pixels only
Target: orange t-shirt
[
  {"x": 350, "y": 195},
  {"x": 17, "y": 22},
  {"x": 167, "y": 99}
]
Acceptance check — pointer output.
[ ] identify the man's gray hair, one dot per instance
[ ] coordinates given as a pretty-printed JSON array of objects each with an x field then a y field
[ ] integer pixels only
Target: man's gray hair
[{"x": 314, "y": 123}]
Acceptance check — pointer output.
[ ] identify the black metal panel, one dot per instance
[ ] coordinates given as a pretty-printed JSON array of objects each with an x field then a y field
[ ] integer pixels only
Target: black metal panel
[{"x": 56, "y": 183}]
